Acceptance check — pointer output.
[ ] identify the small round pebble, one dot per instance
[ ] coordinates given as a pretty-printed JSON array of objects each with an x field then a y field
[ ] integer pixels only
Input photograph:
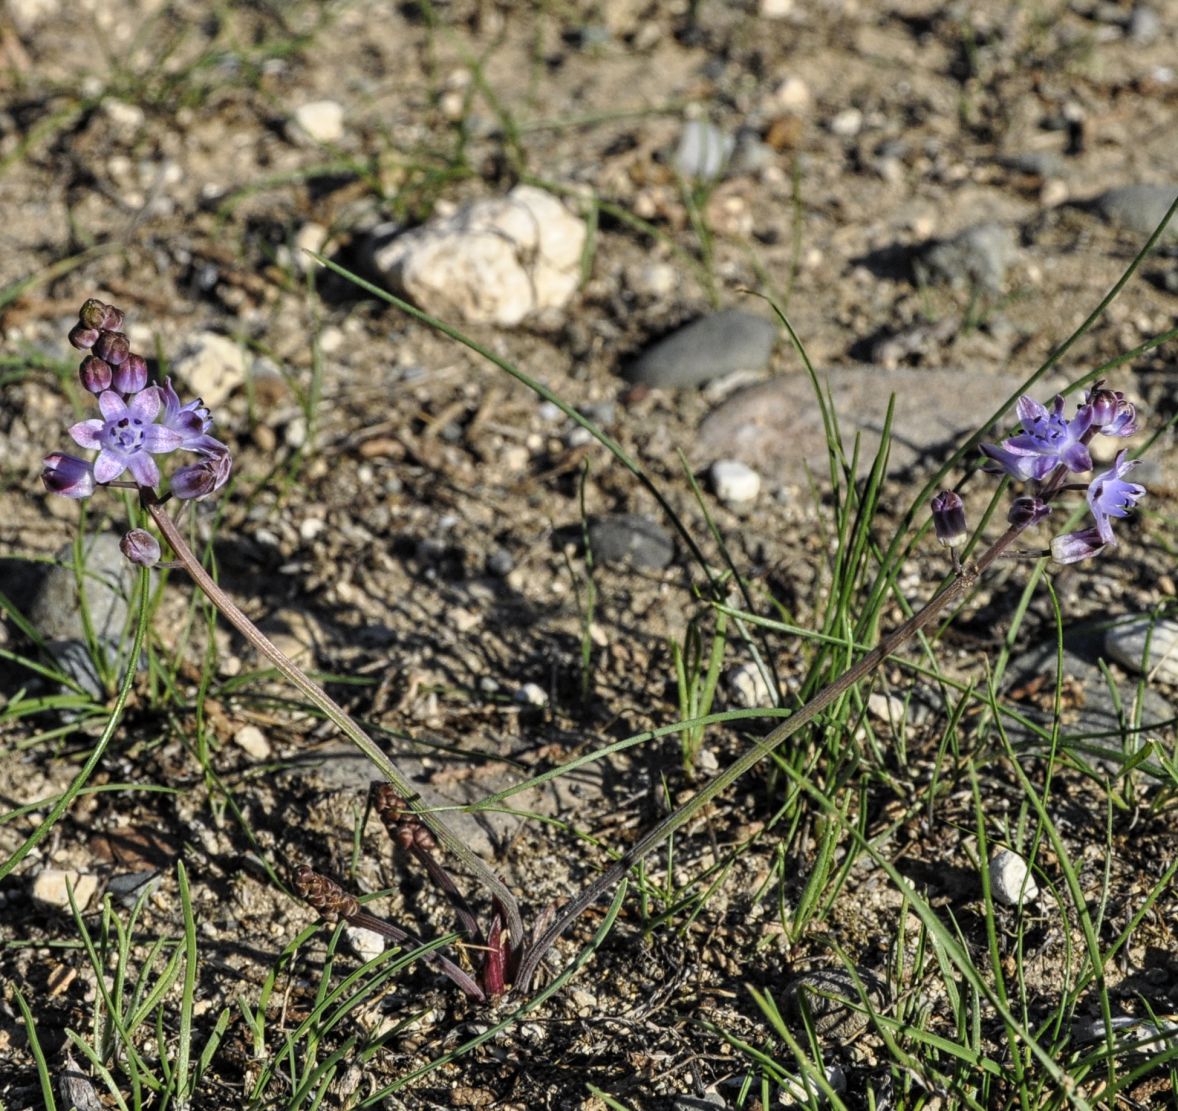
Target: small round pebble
[
  {"x": 735, "y": 483},
  {"x": 1010, "y": 880},
  {"x": 319, "y": 120},
  {"x": 531, "y": 694}
]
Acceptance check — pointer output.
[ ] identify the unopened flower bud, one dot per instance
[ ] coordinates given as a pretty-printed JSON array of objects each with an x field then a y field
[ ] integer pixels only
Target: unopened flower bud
[
  {"x": 113, "y": 320},
  {"x": 67, "y": 475},
  {"x": 95, "y": 374},
  {"x": 1075, "y": 546},
  {"x": 140, "y": 547},
  {"x": 1026, "y": 511},
  {"x": 113, "y": 347},
  {"x": 949, "y": 518},
  {"x": 82, "y": 337},
  {"x": 1111, "y": 413},
  {"x": 131, "y": 375},
  {"x": 93, "y": 314},
  {"x": 198, "y": 480}
]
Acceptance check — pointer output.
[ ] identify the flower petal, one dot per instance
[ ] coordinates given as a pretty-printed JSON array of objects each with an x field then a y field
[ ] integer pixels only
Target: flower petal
[
  {"x": 143, "y": 469},
  {"x": 87, "y": 433},
  {"x": 108, "y": 466},
  {"x": 113, "y": 407}
]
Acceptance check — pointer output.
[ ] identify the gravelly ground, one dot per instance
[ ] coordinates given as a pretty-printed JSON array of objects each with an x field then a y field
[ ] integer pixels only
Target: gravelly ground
[{"x": 429, "y": 539}]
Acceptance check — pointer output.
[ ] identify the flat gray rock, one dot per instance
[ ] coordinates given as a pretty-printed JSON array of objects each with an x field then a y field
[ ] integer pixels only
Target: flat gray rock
[
  {"x": 1139, "y": 208},
  {"x": 776, "y": 426},
  {"x": 1091, "y": 722},
  {"x": 706, "y": 348},
  {"x": 631, "y": 538},
  {"x": 56, "y": 608},
  {"x": 1144, "y": 644}
]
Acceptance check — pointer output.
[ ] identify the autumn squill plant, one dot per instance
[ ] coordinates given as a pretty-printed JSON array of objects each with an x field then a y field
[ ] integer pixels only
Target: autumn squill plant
[{"x": 141, "y": 422}]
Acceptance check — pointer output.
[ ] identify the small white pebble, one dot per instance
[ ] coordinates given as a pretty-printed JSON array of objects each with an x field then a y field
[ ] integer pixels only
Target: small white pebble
[
  {"x": 366, "y": 944},
  {"x": 1010, "y": 880},
  {"x": 531, "y": 694},
  {"x": 848, "y": 123},
  {"x": 253, "y": 741},
  {"x": 310, "y": 527},
  {"x": 734, "y": 482},
  {"x": 748, "y": 686},
  {"x": 319, "y": 120}
]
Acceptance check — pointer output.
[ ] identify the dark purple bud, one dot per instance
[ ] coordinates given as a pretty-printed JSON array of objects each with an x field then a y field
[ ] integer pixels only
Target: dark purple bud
[
  {"x": 83, "y": 338},
  {"x": 113, "y": 320},
  {"x": 93, "y": 314},
  {"x": 140, "y": 547},
  {"x": 95, "y": 374},
  {"x": 198, "y": 480},
  {"x": 113, "y": 347},
  {"x": 949, "y": 518},
  {"x": 1025, "y": 512},
  {"x": 1111, "y": 413},
  {"x": 131, "y": 375},
  {"x": 67, "y": 475}
]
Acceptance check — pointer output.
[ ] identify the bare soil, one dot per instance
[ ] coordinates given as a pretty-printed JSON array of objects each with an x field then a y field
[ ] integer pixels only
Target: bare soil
[{"x": 427, "y": 541}]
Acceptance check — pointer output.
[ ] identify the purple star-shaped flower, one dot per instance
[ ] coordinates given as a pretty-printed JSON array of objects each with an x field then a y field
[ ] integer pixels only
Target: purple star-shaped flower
[
  {"x": 1109, "y": 495},
  {"x": 127, "y": 437},
  {"x": 1046, "y": 441},
  {"x": 192, "y": 421}
]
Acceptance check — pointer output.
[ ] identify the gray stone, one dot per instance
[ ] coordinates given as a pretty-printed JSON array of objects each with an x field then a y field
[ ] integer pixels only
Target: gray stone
[
  {"x": 833, "y": 1001},
  {"x": 776, "y": 426},
  {"x": 1139, "y": 208},
  {"x": 706, "y": 348},
  {"x": 364, "y": 943},
  {"x": 1039, "y": 163},
  {"x": 1093, "y": 723},
  {"x": 631, "y": 538},
  {"x": 703, "y": 150},
  {"x": 446, "y": 781},
  {"x": 976, "y": 258},
  {"x": 57, "y": 607},
  {"x": 1128, "y": 642},
  {"x": 1144, "y": 25},
  {"x": 128, "y": 887}
]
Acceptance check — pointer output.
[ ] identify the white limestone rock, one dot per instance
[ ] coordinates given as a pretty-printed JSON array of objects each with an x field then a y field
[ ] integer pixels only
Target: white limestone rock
[{"x": 495, "y": 261}]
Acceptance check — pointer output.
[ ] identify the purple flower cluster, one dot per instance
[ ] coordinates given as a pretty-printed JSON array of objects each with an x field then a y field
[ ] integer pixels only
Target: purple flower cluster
[
  {"x": 1050, "y": 447},
  {"x": 138, "y": 422}
]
